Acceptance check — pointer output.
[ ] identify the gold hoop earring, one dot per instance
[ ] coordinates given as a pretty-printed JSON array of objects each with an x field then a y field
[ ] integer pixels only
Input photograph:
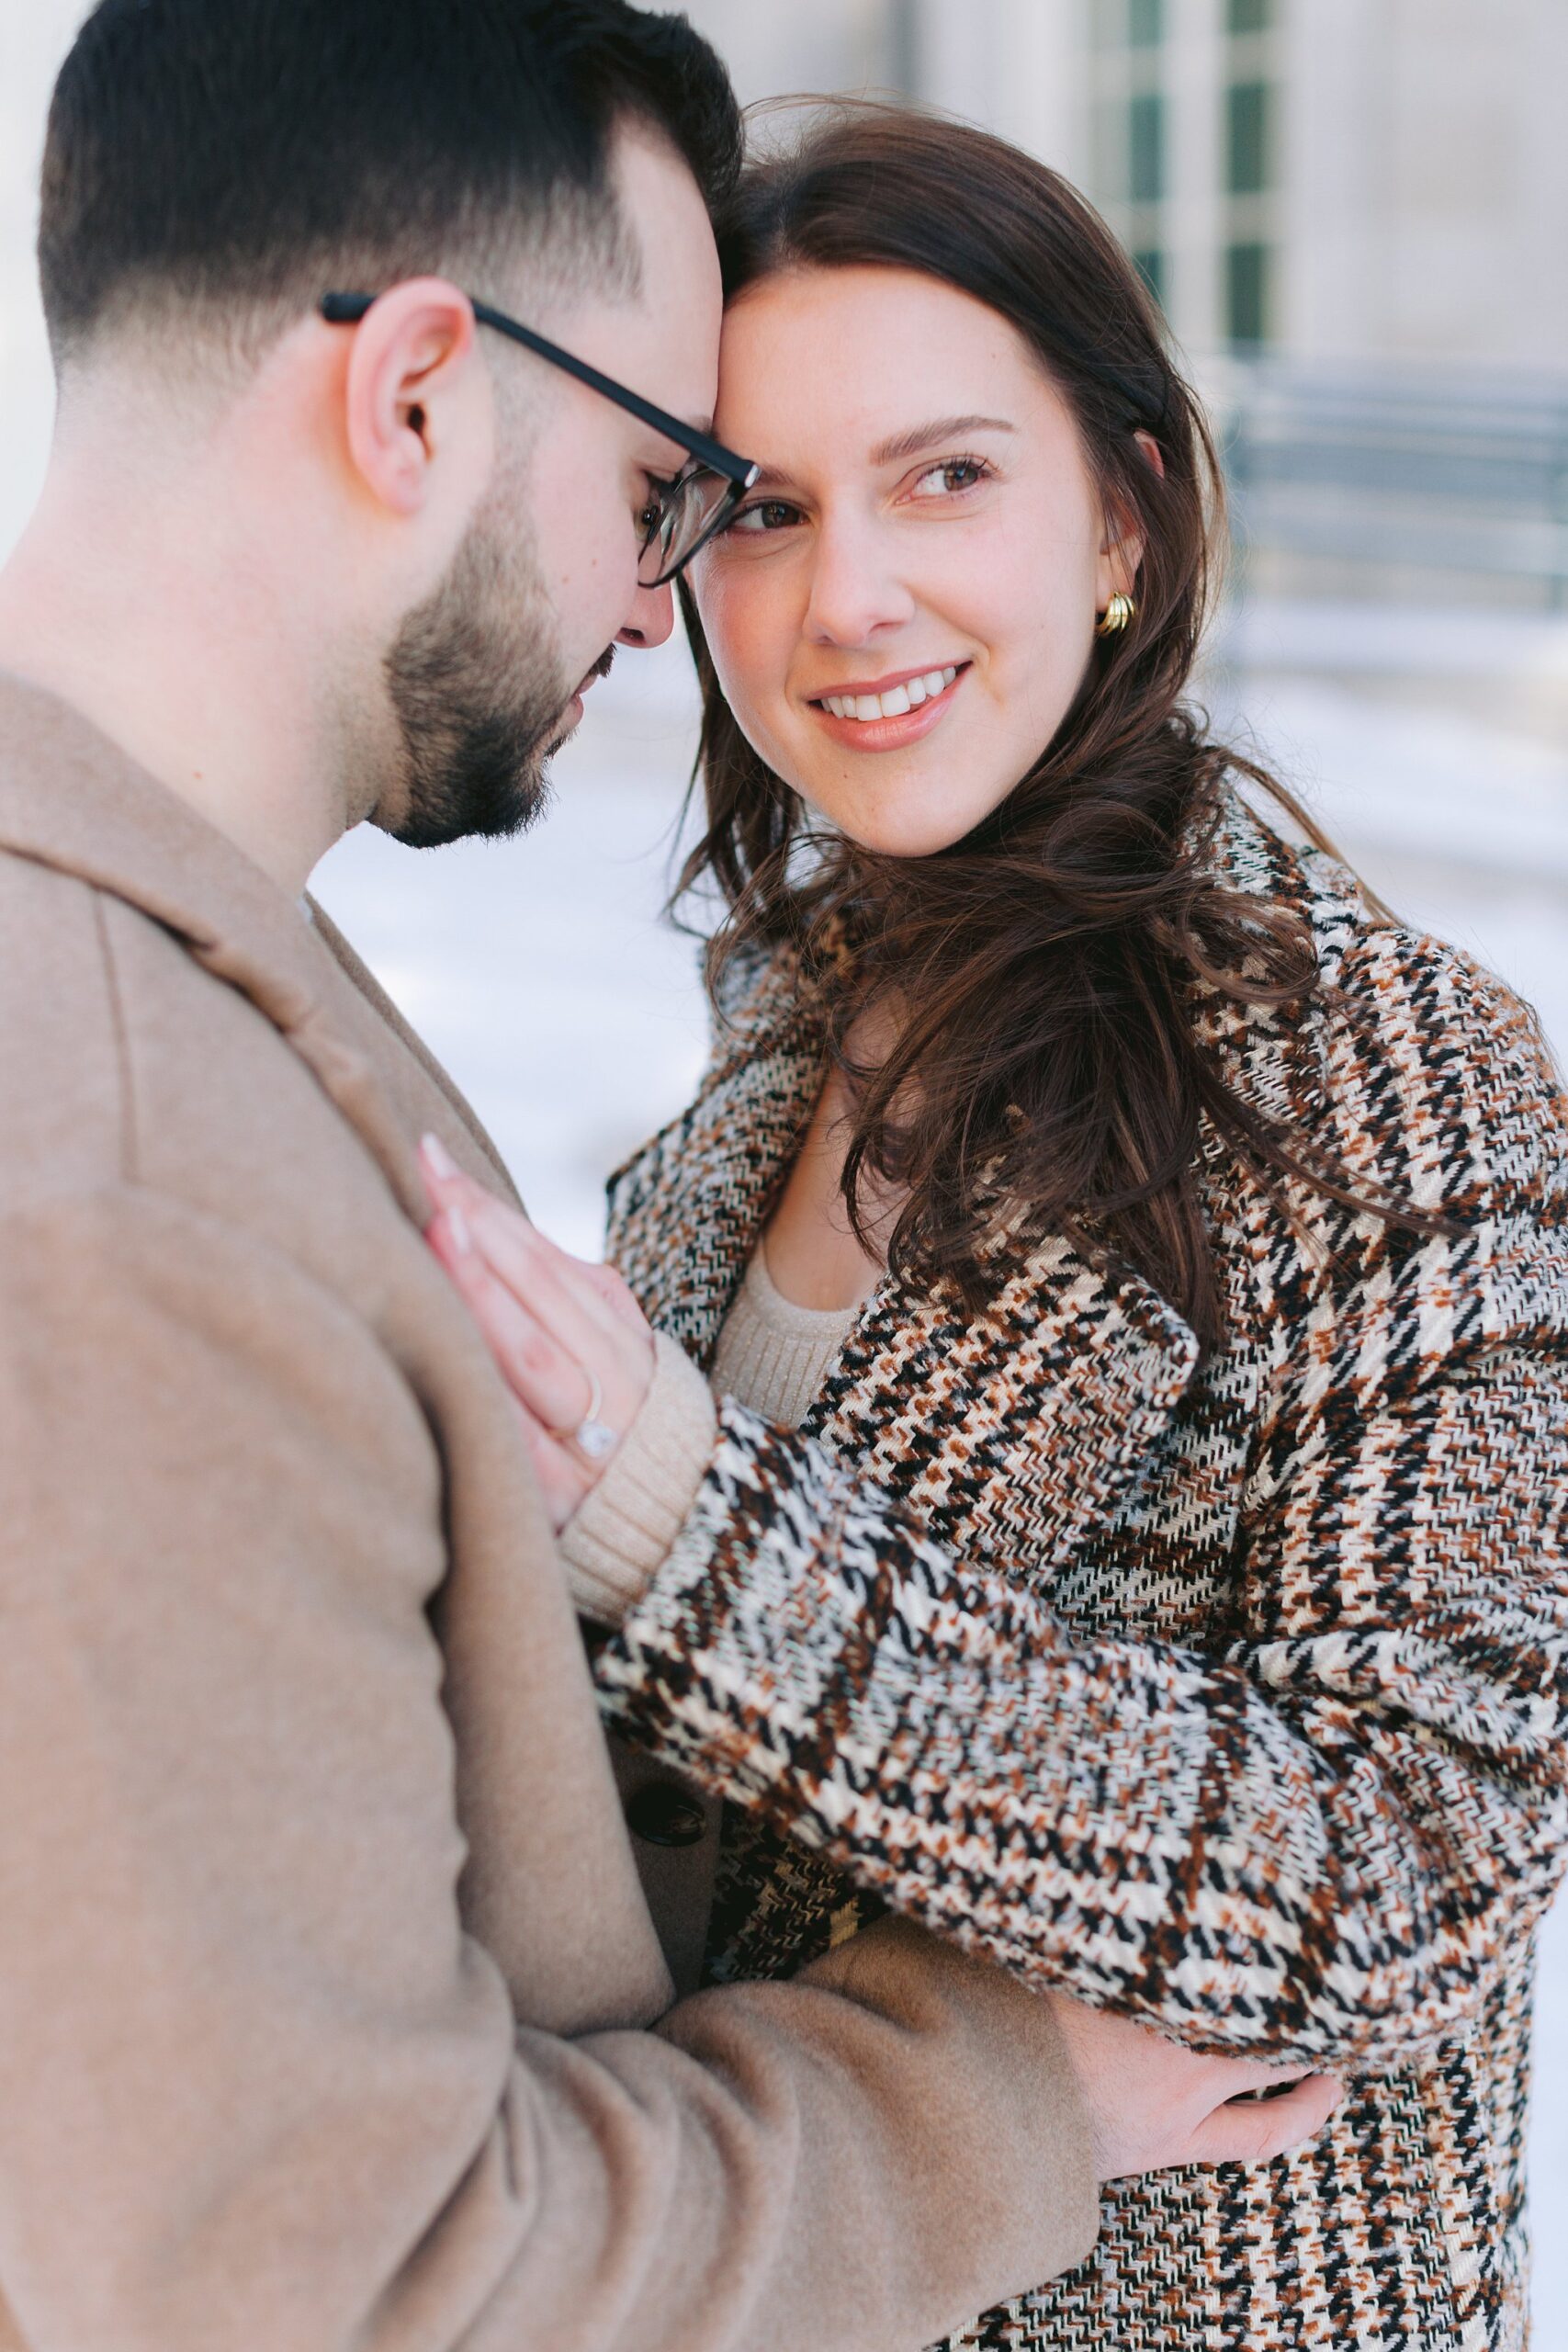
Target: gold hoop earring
[{"x": 1115, "y": 617}]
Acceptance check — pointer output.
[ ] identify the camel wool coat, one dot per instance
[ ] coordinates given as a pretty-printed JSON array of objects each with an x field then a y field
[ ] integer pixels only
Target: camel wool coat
[{"x": 330, "y": 2001}]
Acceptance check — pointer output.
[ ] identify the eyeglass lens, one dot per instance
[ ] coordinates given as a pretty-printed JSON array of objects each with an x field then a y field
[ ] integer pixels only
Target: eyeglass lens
[{"x": 688, "y": 509}]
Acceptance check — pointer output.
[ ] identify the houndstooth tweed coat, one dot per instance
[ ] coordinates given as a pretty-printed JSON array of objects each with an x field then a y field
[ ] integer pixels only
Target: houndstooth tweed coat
[{"x": 1232, "y": 1694}]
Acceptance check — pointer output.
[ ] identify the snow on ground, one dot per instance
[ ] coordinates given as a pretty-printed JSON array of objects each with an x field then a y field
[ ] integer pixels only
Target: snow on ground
[{"x": 539, "y": 970}]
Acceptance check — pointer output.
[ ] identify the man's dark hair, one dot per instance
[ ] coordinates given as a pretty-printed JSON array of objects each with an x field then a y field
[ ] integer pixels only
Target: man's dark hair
[{"x": 242, "y": 155}]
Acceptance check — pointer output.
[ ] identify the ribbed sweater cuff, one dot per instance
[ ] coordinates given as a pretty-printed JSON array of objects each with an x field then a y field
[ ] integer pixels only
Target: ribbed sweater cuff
[{"x": 616, "y": 1541}]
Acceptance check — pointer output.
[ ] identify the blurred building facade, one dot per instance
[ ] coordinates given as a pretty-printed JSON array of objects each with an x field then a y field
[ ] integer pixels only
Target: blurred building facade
[
  {"x": 1353, "y": 213},
  {"x": 1320, "y": 177}
]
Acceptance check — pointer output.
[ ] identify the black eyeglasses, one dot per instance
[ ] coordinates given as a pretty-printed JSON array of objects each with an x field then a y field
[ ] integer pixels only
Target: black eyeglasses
[{"x": 683, "y": 515}]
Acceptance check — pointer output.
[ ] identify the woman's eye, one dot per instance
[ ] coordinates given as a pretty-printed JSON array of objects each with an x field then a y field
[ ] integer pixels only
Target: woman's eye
[
  {"x": 954, "y": 475},
  {"x": 767, "y": 514}
]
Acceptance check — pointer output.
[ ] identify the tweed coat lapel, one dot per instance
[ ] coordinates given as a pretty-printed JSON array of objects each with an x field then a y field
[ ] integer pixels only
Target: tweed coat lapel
[
  {"x": 1016, "y": 1430},
  {"x": 687, "y": 1210},
  {"x": 1029, "y": 1428},
  {"x": 1026, "y": 1429}
]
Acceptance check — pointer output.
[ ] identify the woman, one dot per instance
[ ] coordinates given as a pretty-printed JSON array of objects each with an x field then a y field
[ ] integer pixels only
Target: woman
[{"x": 1161, "y": 1251}]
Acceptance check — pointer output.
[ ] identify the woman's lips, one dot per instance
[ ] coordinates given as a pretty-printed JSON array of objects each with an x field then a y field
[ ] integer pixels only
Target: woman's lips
[{"x": 891, "y": 734}]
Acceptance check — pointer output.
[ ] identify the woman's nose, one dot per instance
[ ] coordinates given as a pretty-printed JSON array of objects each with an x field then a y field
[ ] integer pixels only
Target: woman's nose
[
  {"x": 652, "y": 619},
  {"x": 855, "y": 592}
]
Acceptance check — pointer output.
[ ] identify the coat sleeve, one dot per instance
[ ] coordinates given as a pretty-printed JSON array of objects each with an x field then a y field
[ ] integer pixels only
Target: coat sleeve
[
  {"x": 258, "y": 2086},
  {"x": 1307, "y": 1843}
]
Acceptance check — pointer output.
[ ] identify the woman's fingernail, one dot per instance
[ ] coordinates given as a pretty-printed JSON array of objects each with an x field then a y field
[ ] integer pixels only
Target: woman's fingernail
[
  {"x": 457, "y": 1228},
  {"x": 436, "y": 1154}
]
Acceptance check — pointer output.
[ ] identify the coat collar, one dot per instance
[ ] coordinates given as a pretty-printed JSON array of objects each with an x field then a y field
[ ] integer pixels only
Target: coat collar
[
  {"x": 1073, "y": 1364},
  {"x": 1273, "y": 1055},
  {"x": 692, "y": 1204},
  {"x": 1045, "y": 1407},
  {"x": 71, "y": 799}
]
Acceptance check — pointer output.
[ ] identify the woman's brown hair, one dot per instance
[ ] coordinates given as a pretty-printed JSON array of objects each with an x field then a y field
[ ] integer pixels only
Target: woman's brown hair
[{"x": 1048, "y": 1072}]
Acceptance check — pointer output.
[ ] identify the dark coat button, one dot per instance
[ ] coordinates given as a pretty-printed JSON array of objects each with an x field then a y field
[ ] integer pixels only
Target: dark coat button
[{"x": 666, "y": 1815}]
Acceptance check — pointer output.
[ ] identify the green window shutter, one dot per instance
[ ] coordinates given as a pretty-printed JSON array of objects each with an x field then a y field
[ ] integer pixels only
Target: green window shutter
[
  {"x": 1145, "y": 126},
  {"x": 1249, "y": 293},
  {"x": 1250, "y": 109}
]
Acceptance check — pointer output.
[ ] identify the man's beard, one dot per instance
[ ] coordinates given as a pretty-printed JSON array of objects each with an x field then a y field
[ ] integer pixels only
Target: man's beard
[{"x": 479, "y": 705}]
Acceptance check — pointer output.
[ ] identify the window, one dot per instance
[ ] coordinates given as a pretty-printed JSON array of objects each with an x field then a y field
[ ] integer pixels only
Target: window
[
  {"x": 1249, "y": 137},
  {"x": 1127, "y": 24},
  {"x": 904, "y": 60},
  {"x": 1248, "y": 292},
  {"x": 1248, "y": 16},
  {"x": 1146, "y": 140},
  {"x": 1149, "y": 263}
]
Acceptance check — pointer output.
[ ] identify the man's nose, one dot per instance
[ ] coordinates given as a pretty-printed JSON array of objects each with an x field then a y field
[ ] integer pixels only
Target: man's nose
[
  {"x": 652, "y": 619},
  {"x": 856, "y": 594}
]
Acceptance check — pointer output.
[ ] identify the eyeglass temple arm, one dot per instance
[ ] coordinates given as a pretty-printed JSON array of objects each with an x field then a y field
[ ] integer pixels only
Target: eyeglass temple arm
[{"x": 347, "y": 310}]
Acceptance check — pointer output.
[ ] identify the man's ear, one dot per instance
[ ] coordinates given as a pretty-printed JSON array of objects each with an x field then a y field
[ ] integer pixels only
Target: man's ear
[
  {"x": 1122, "y": 549},
  {"x": 411, "y": 353}
]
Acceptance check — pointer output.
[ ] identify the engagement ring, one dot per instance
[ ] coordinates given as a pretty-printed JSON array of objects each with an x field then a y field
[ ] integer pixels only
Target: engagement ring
[{"x": 591, "y": 1436}]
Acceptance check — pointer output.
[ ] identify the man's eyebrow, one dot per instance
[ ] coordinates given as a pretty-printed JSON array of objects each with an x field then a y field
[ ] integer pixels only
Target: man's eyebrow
[{"x": 925, "y": 436}]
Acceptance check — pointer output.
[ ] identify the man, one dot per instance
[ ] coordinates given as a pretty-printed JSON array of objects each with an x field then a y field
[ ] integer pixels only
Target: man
[{"x": 330, "y": 2011}]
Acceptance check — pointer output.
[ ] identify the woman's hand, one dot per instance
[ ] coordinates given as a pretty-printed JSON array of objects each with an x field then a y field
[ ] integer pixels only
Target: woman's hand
[{"x": 571, "y": 1341}]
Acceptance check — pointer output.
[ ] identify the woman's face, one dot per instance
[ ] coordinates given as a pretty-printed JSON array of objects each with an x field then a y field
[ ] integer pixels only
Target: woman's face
[{"x": 902, "y": 613}]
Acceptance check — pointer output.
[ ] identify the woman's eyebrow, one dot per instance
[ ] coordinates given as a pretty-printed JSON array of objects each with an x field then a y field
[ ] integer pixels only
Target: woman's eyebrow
[
  {"x": 942, "y": 428},
  {"x": 906, "y": 444}
]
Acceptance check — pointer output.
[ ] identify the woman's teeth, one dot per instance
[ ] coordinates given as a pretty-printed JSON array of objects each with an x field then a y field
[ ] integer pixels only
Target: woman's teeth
[{"x": 896, "y": 703}]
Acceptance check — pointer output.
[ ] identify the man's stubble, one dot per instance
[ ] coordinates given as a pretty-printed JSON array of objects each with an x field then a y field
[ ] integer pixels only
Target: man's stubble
[{"x": 479, "y": 693}]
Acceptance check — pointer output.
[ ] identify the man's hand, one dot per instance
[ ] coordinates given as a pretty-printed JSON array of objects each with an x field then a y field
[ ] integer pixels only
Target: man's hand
[{"x": 1152, "y": 2104}]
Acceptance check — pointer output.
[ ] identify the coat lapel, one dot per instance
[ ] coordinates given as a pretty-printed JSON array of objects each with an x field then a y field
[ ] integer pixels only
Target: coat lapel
[
  {"x": 1016, "y": 1433},
  {"x": 105, "y": 820},
  {"x": 1011, "y": 1433},
  {"x": 410, "y": 1070},
  {"x": 687, "y": 1210}
]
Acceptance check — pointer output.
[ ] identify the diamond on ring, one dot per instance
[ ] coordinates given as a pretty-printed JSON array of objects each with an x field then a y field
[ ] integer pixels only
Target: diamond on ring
[{"x": 591, "y": 1436}]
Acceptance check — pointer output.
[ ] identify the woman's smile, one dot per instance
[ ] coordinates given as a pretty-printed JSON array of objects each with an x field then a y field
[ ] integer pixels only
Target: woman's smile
[{"x": 902, "y": 710}]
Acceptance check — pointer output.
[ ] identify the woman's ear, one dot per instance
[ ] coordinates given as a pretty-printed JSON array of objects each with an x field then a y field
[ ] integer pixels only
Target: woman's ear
[{"x": 1122, "y": 549}]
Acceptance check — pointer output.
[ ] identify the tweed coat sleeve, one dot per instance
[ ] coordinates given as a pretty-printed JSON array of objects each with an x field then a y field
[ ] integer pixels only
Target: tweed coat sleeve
[{"x": 1310, "y": 1838}]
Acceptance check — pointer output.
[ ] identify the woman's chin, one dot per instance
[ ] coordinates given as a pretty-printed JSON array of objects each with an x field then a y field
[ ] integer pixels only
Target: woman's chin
[{"x": 901, "y": 836}]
